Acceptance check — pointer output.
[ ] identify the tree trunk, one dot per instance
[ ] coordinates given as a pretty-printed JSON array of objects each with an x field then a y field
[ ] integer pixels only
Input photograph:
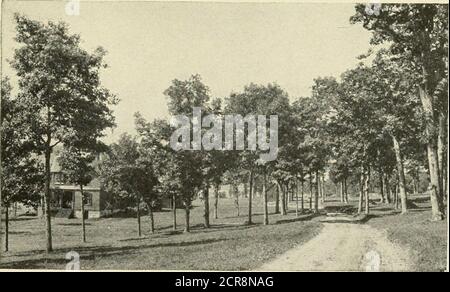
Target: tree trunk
[
  {"x": 266, "y": 210},
  {"x": 310, "y": 191},
  {"x": 250, "y": 194},
  {"x": 47, "y": 197},
  {"x": 6, "y": 228},
  {"x": 345, "y": 191},
  {"x": 319, "y": 185},
  {"x": 435, "y": 190},
  {"x": 296, "y": 198},
  {"x": 42, "y": 201},
  {"x": 138, "y": 215},
  {"x": 415, "y": 184},
  {"x": 316, "y": 194},
  {"x": 83, "y": 222},
  {"x": 342, "y": 191},
  {"x": 206, "y": 201},
  {"x": 283, "y": 199},
  {"x": 286, "y": 197},
  {"x": 188, "y": 211},
  {"x": 152, "y": 219},
  {"x": 303, "y": 195},
  {"x": 322, "y": 179},
  {"x": 236, "y": 198},
  {"x": 387, "y": 189},
  {"x": 174, "y": 212},
  {"x": 441, "y": 151},
  {"x": 216, "y": 201},
  {"x": 401, "y": 174},
  {"x": 381, "y": 182},
  {"x": 277, "y": 200},
  {"x": 396, "y": 196},
  {"x": 367, "y": 190},
  {"x": 361, "y": 192}
]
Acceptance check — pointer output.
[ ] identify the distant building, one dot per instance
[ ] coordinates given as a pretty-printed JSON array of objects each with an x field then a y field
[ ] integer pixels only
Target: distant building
[{"x": 66, "y": 198}]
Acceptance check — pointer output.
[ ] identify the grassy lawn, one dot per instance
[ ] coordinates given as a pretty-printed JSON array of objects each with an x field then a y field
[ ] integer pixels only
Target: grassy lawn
[
  {"x": 113, "y": 242},
  {"x": 426, "y": 239}
]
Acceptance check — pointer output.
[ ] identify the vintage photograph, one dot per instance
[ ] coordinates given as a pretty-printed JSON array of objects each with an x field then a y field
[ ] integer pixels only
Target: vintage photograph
[{"x": 224, "y": 136}]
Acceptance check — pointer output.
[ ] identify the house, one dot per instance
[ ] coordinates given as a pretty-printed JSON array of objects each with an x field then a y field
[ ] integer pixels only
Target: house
[{"x": 66, "y": 198}]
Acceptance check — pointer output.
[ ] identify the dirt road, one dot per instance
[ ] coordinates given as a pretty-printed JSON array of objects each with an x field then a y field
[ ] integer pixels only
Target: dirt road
[{"x": 344, "y": 247}]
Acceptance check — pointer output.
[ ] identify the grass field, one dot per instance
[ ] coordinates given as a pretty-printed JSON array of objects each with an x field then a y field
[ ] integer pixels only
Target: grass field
[
  {"x": 426, "y": 239},
  {"x": 228, "y": 245},
  {"x": 113, "y": 242}
]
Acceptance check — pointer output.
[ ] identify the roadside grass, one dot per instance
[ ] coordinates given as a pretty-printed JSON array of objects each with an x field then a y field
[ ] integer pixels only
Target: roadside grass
[
  {"x": 113, "y": 243},
  {"x": 426, "y": 240}
]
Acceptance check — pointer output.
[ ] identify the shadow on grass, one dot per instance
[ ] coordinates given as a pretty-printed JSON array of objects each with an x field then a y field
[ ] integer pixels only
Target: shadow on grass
[
  {"x": 20, "y": 232},
  {"x": 421, "y": 199},
  {"x": 228, "y": 227},
  {"x": 91, "y": 253},
  {"x": 20, "y": 218},
  {"x": 42, "y": 263},
  {"x": 72, "y": 224},
  {"x": 301, "y": 217}
]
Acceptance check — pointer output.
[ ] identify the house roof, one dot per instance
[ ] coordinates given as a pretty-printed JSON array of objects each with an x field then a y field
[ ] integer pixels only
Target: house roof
[{"x": 56, "y": 167}]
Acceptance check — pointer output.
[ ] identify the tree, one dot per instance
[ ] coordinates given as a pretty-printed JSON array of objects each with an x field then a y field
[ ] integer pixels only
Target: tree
[
  {"x": 77, "y": 167},
  {"x": 21, "y": 173},
  {"x": 313, "y": 114},
  {"x": 419, "y": 33},
  {"x": 215, "y": 161},
  {"x": 154, "y": 144},
  {"x": 183, "y": 97},
  {"x": 60, "y": 94},
  {"x": 399, "y": 110},
  {"x": 258, "y": 100},
  {"x": 129, "y": 176},
  {"x": 179, "y": 172}
]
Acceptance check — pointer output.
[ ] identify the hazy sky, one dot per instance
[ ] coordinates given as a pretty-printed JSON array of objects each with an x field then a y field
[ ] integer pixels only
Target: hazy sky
[{"x": 229, "y": 45}]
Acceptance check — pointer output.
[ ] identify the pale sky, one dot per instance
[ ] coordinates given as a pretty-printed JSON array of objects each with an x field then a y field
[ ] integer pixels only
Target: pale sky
[{"x": 228, "y": 44}]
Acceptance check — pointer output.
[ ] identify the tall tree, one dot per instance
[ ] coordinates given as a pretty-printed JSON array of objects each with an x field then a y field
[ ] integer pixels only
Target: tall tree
[
  {"x": 184, "y": 97},
  {"x": 60, "y": 94},
  {"x": 260, "y": 100},
  {"x": 396, "y": 87},
  {"x": 21, "y": 173}
]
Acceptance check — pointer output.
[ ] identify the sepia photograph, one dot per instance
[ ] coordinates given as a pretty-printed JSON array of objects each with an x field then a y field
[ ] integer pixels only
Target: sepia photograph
[{"x": 224, "y": 136}]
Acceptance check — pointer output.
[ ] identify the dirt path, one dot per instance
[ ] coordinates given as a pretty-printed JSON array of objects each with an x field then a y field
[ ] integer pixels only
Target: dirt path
[{"x": 344, "y": 247}]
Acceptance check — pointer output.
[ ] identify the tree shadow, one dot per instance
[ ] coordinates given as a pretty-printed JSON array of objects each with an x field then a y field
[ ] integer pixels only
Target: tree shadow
[
  {"x": 20, "y": 218},
  {"x": 303, "y": 217},
  {"x": 41, "y": 263},
  {"x": 91, "y": 253},
  {"x": 12, "y": 232},
  {"x": 220, "y": 227},
  {"x": 73, "y": 224}
]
